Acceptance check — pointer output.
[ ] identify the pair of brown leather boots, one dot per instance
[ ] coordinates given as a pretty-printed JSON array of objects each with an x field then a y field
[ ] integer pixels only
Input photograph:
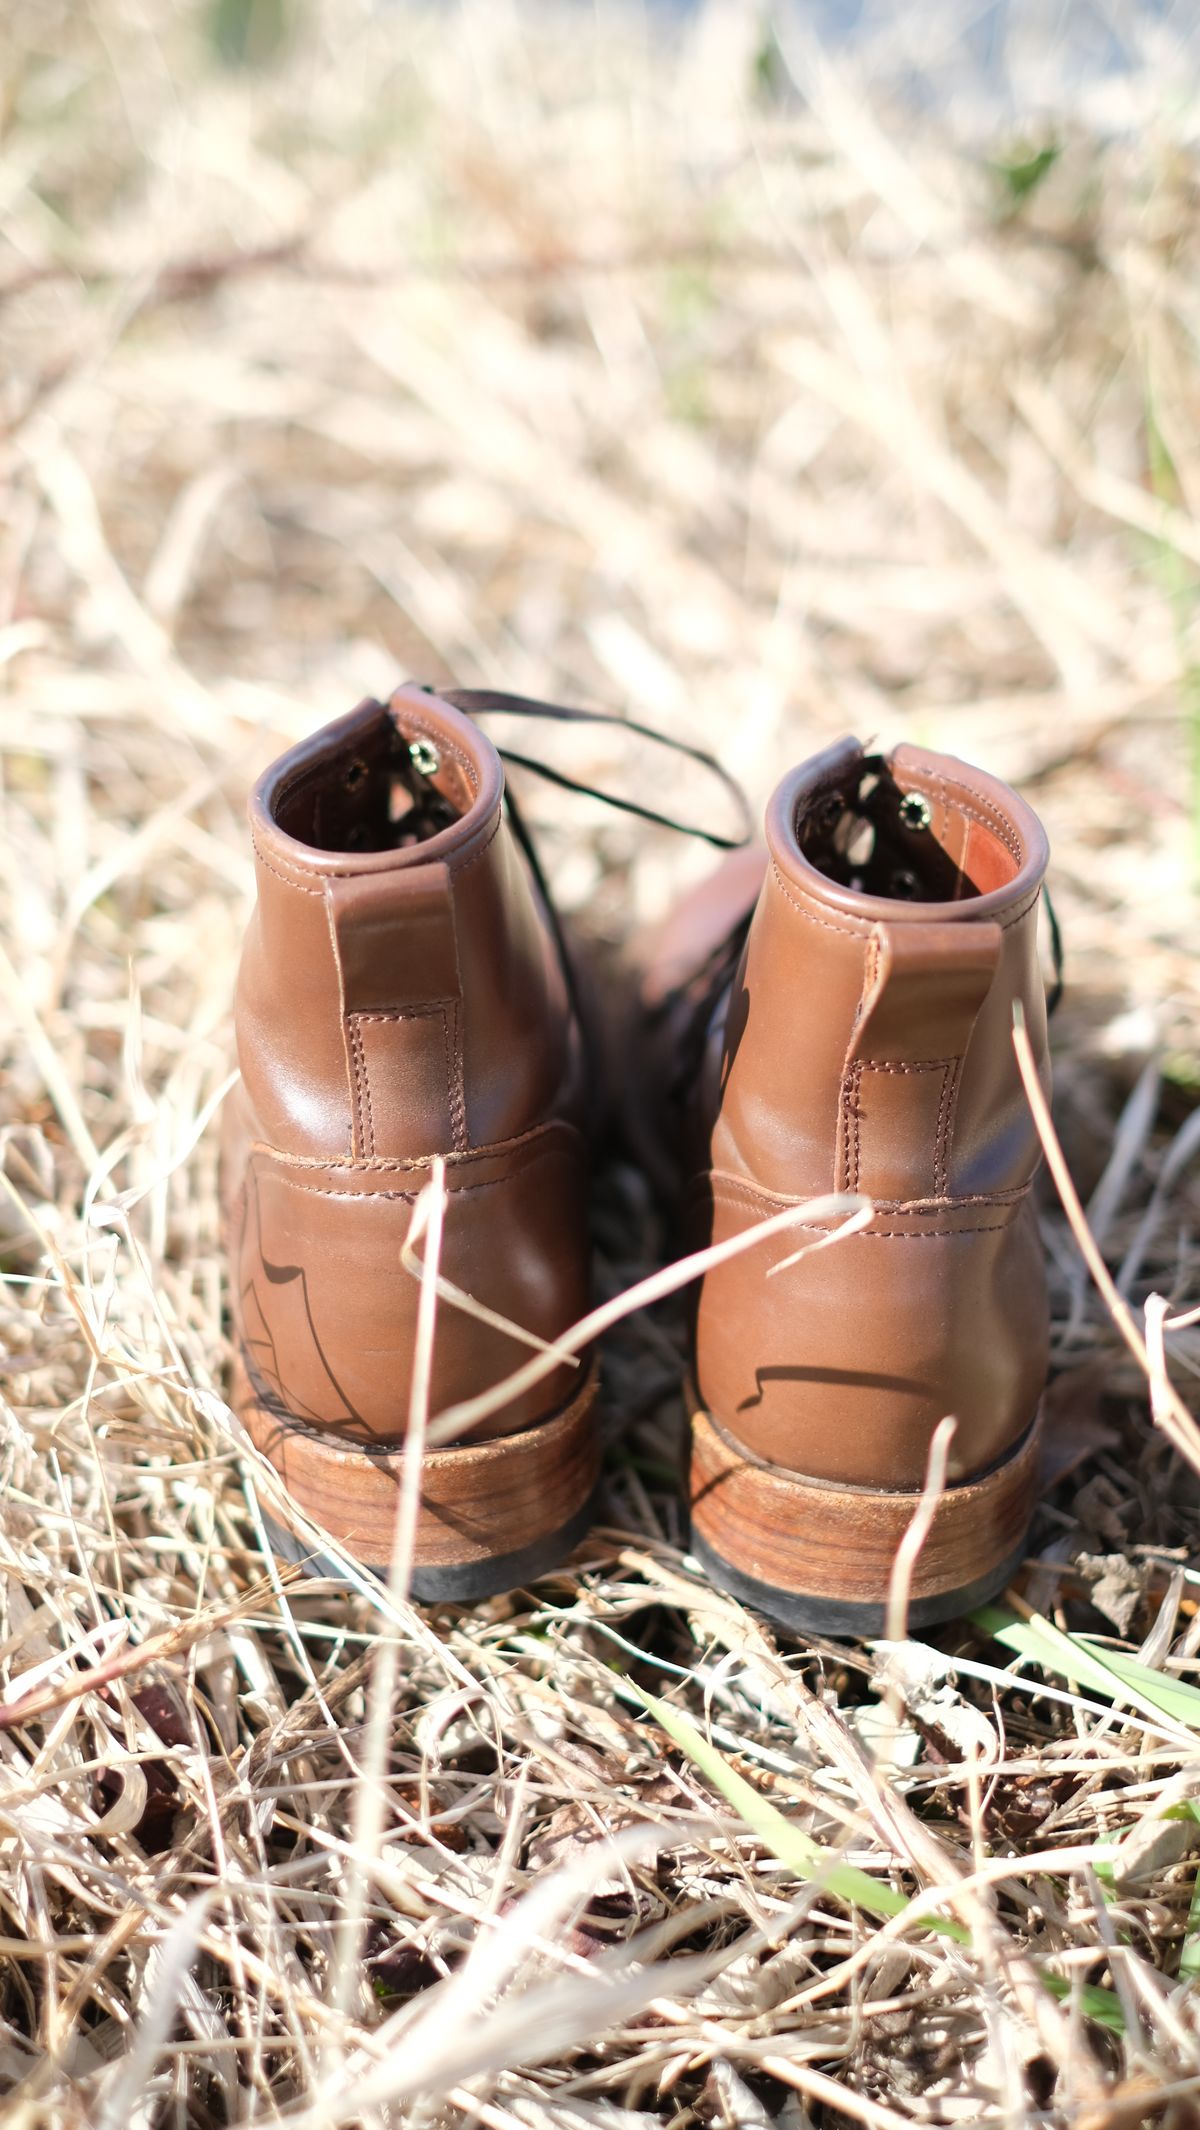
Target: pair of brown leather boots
[{"x": 832, "y": 1014}]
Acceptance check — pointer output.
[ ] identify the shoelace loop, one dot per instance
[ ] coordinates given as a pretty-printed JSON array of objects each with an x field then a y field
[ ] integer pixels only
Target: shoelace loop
[{"x": 480, "y": 702}]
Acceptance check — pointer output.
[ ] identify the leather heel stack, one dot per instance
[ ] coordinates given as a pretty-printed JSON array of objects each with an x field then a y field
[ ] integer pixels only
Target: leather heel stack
[
  {"x": 536, "y": 1486},
  {"x": 819, "y": 1558}
]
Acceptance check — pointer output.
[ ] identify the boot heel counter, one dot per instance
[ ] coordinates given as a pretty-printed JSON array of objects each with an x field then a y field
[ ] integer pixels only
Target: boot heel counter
[
  {"x": 842, "y": 1365},
  {"x": 326, "y": 1312}
]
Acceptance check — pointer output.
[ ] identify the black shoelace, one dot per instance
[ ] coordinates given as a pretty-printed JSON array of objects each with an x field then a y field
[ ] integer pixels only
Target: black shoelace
[{"x": 479, "y": 703}]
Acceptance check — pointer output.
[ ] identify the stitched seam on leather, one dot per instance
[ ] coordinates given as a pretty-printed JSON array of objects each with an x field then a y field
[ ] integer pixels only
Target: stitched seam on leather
[
  {"x": 947, "y": 809},
  {"x": 458, "y": 1092},
  {"x": 911, "y": 1208},
  {"x": 858, "y": 1124},
  {"x": 940, "y": 1162},
  {"x": 854, "y": 1111},
  {"x": 319, "y": 1190},
  {"x": 351, "y": 872},
  {"x": 448, "y": 1051},
  {"x": 845, "y": 1105},
  {"x": 995, "y": 826},
  {"x": 455, "y": 1105},
  {"x": 486, "y": 1183},
  {"x": 288, "y": 879},
  {"x": 396, "y": 1164},
  {"x": 848, "y": 1086},
  {"x": 458, "y": 870},
  {"x": 365, "y": 1125},
  {"x": 905, "y": 1064},
  {"x": 347, "y": 1045},
  {"x": 946, "y": 1124},
  {"x": 987, "y": 1227},
  {"x": 991, "y": 817},
  {"x": 402, "y": 1013},
  {"x": 855, "y": 927},
  {"x": 855, "y": 1100},
  {"x": 859, "y": 927},
  {"x": 733, "y": 1187}
]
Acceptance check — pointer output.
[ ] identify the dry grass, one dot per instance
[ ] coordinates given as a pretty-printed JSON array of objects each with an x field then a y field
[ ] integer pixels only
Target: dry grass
[{"x": 660, "y": 369}]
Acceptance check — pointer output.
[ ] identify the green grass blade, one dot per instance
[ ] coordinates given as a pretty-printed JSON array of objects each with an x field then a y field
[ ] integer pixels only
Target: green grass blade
[
  {"x": 1174, "y": 1697},
  {"x": 1102, "y": 2005},
  {"x": 1108, "y": 1672},
  {"x": 807, "y": 1858},
  {"x": 810, "y": 1859},
  {"x": 1189, "y": 1957}
]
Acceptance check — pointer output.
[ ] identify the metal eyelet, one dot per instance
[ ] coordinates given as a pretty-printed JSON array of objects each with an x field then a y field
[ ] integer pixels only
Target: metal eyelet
[
  {"x": 903, "y": 885},
  {"x": 915, "y": 810},
  {"x": 424, "y": 757}
]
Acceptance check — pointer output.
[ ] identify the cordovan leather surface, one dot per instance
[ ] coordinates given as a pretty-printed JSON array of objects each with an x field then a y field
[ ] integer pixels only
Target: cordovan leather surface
[
  {"x": 868, "y": 1046},
  {"x": 394, "y": 1004}
]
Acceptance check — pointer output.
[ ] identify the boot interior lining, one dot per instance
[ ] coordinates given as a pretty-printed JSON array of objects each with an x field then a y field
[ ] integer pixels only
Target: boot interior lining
[
  {"x": 393, "y": 789},
  {"x": 902, "y": 843}
]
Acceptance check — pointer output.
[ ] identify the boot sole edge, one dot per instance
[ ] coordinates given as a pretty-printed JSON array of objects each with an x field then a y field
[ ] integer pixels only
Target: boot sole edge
[
  {"x": 461, "y": 1583},
  {"x": 475, "y": 1497},
  {"x": 845, "y": 1618},
  {"x": 815, "y": 1555}
]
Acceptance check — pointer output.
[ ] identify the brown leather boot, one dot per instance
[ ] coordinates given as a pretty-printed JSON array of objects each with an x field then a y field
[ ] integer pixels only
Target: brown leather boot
[
  {"x": 403, "y": 994},
  {"x": 867, "y": 1047}
]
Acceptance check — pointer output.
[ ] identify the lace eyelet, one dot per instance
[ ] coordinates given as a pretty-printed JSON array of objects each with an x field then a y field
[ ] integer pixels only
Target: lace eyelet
[
  {"x": 424, "y": 757},
  {"x": 915, "y": 811}
]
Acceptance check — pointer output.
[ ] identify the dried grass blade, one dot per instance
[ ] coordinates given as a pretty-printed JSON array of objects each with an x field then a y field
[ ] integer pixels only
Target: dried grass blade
[{"x": 1171, "y": 1412}]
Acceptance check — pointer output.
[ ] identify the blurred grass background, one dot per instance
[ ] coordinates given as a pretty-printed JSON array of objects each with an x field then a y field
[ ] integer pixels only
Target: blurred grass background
[{"x": 652, "y": 358}]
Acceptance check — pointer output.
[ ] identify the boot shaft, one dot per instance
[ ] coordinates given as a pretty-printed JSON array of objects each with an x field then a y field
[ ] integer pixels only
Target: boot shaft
[
  {"x": 868, "y": 1048},
  {"x": 400, "y": 994},
  {"x": 869, "y": 1034}
]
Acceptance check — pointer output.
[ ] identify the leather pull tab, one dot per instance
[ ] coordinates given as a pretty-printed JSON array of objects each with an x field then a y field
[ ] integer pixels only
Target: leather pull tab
[
  {"x": 922, "y": 991},
  {"x": 395, "y": 938},
  {"x": 397, "y": 955}
]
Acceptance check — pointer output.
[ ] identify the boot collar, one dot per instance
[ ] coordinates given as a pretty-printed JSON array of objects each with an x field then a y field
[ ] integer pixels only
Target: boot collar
[
  {"x": 328, "y": 806},
  {"x": 910, "y": 836}
]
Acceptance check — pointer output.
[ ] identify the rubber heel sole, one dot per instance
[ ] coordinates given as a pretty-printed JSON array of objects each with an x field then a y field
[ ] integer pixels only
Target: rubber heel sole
[
  {"x": 538, "y": 1486},
  {"x": 818, "y": 1558},
  {"x": 461, "y": 1583}
]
